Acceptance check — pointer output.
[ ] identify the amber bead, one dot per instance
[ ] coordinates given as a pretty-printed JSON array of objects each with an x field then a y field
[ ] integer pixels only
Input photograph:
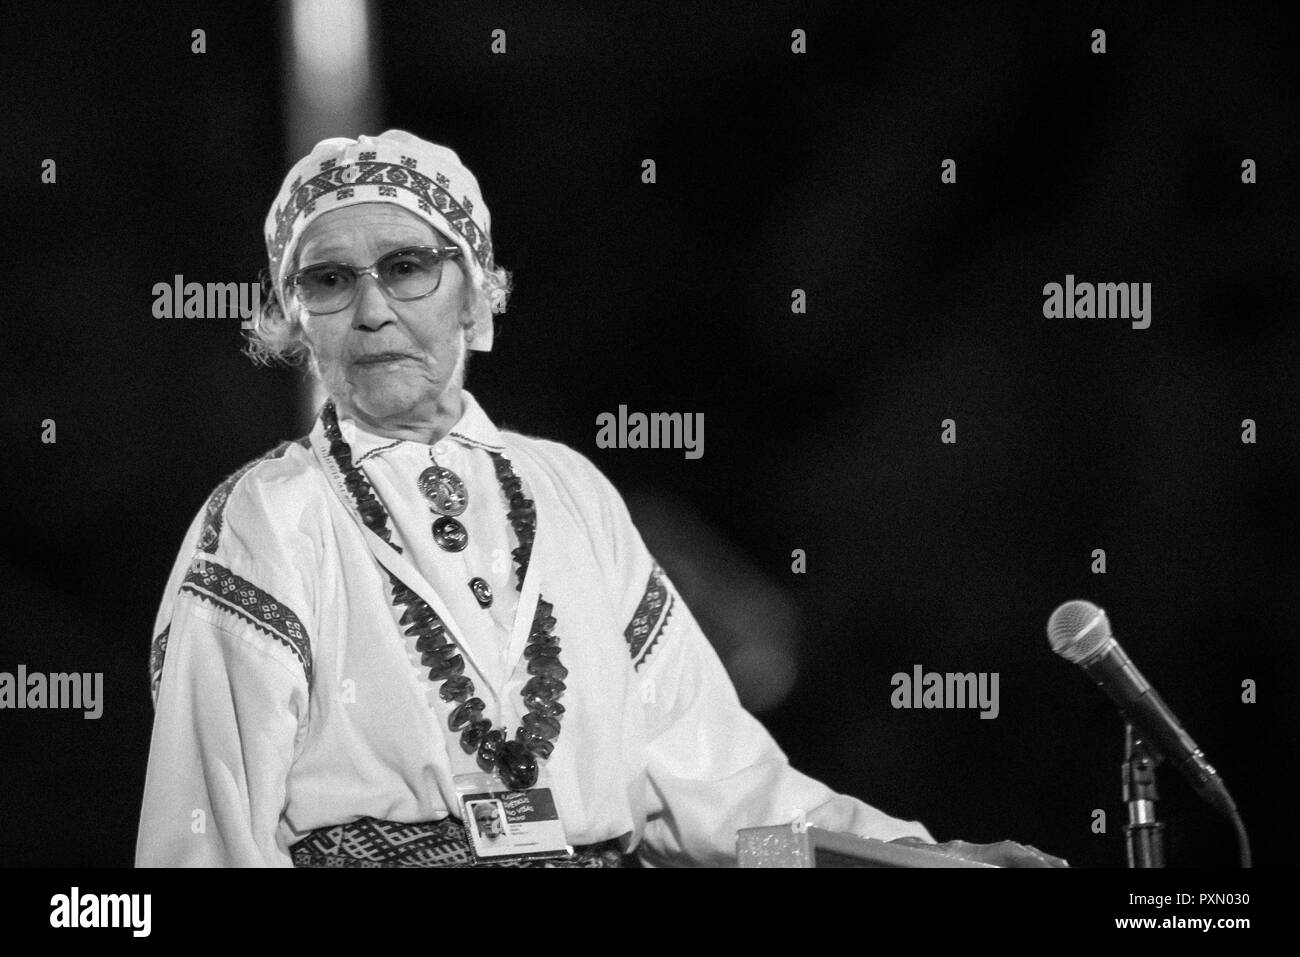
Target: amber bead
[
  {"x": 456, "y": 689},
  {"x": 473, "y": 735},
  {"x": 430, "y": 640},
  {"x": 487, "y": 751},
  {"x": 539, "y": 746},
  {"x": 466, "y": 712},
  {"x": 552, "y": 708},
  {"x": 543, "y": 686},
  {"x": 418, "y": 613},
  {"x": 550, "y": 667},
  {"x": 436, "y": 656},
  {"x": 541, "y": 725},
  {"x": 447, "y": 669}
]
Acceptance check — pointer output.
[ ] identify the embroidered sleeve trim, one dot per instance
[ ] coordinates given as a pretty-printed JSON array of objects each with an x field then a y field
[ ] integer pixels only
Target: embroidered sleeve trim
[
  {"x": 156, "y": 655},
  {"x": 650, "y": 618},
  {"x": 226, "y": 590},
  {"x": 215, "y": 510},
  {"x": 658, "y": 633}
]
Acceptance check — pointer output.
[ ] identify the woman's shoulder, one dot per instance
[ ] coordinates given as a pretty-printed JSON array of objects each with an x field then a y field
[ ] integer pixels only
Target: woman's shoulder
[
  {"x": 590, "y": 498},
  {"x": 565, "y": 465},
  {"x": 271, "y": 490}
]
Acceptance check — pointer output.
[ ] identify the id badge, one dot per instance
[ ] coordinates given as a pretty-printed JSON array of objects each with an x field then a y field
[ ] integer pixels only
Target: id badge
[{"x": 510, "y": 825}]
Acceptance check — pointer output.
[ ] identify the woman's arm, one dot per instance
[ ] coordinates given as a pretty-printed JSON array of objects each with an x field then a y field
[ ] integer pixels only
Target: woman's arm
[
  {"x": 232, "y": 670},
  {"x": 714, "y": 769},
  {"x": 229, "y": 713}
]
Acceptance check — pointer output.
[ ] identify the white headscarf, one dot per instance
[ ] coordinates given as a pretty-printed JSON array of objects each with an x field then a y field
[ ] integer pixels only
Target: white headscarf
[{"x": 393, "y": 167}]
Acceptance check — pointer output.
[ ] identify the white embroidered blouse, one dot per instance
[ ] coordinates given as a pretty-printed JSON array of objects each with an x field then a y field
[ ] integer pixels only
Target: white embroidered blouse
[{"x": 287, "y": 697}]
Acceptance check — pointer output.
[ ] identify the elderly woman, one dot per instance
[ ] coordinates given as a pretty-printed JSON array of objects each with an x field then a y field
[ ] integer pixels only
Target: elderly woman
[{"x": 408, "y": 610}]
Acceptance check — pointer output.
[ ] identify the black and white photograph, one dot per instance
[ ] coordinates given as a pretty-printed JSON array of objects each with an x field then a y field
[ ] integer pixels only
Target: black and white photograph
[
  {"x": 487, "y": 819},
  {"x": 743, "y": 435}
]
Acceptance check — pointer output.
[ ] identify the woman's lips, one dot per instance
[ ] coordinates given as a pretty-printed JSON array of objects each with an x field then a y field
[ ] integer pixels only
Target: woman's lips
[{"x": 381, "y": 358}]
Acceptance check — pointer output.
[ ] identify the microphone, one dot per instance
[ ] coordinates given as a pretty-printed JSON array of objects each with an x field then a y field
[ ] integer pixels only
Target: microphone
[{"x": 1080, "y": 632}]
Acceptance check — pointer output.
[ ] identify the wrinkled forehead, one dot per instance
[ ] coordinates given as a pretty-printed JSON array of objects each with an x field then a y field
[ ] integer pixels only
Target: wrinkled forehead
[{"x": 363, "y": 229}]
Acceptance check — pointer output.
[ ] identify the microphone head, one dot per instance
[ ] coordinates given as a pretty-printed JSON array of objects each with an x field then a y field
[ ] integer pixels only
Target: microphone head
[{"x": 1078, "y": 630}]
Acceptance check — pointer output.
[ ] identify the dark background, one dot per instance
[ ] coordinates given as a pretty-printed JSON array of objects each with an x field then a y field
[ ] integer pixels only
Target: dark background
[{"x": 775, "y": 172}]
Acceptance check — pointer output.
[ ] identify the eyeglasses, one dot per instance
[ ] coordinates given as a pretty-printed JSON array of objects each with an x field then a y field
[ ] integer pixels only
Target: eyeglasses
[{"x": 412, "y": 272}]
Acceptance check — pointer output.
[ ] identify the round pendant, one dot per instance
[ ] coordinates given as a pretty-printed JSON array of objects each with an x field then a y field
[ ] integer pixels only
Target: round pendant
[
  {"x": 444, "y": 489},
  {"x": 482, "y": 592},
  {"x": 450, "y": 534}
]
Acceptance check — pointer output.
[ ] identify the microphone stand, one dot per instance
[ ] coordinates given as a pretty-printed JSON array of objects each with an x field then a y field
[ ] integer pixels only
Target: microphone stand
[{"x": 1143, "y": 833}]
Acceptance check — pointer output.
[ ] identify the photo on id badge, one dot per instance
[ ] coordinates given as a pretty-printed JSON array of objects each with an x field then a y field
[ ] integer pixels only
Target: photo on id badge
[
  {"x": 489, "y": 819},
  {"x": 520, "y": 824}
]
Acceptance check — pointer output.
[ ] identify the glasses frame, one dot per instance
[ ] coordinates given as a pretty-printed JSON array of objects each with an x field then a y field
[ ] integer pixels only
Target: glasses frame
[{"x": 443, "y": 253}]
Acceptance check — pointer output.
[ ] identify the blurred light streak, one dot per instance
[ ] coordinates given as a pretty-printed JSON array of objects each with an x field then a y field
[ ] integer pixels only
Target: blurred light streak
[
  {"x": 751, "y": 621},
  {"x": 332, "y": 89}
]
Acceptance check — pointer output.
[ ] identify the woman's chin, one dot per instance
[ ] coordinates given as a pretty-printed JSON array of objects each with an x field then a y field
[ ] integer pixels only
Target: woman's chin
[{"x": 386, "y": 400}]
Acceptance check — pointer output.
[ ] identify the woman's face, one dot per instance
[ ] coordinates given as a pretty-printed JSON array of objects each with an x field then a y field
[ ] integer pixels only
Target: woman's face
[
  {"x": 389, "y": 361},
  {"x": 489, "y": 822}
]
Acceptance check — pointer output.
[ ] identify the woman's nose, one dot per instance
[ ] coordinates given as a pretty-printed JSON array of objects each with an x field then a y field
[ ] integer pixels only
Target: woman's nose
[{"x": 372, "y": 308}]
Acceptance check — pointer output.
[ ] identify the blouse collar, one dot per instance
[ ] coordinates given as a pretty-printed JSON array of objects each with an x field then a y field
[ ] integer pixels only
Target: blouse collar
[{"x": 473, "y": 429}]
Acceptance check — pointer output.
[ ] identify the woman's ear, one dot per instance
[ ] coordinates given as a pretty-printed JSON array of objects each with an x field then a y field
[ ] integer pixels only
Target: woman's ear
[{"x": 478, "y": 322}]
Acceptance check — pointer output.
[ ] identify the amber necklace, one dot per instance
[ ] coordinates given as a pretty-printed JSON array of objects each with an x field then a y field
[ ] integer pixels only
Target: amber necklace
[{"x": 514, "y": 761}]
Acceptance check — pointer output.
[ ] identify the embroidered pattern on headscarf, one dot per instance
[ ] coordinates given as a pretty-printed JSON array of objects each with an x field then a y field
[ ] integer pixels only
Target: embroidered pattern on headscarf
[{"x": 385, "y": 178}]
